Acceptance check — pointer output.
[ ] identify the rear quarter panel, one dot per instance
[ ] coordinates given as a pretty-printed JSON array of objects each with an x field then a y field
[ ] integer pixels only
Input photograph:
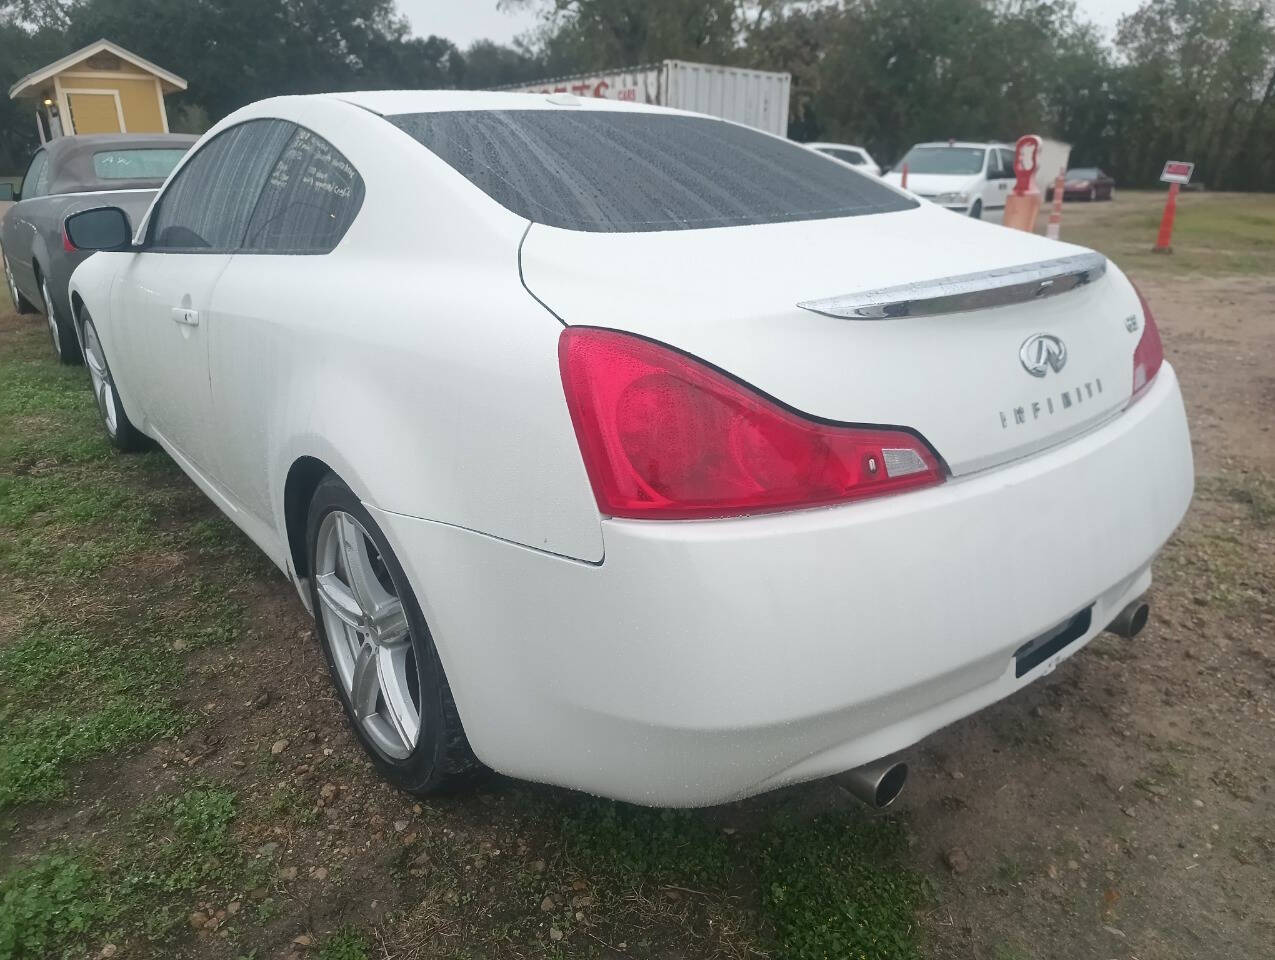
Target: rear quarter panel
[{"x": 410, "y": 360}]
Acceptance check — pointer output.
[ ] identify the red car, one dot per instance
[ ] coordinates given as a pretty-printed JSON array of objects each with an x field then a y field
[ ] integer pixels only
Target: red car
[{"x": 1085, "y": 183}]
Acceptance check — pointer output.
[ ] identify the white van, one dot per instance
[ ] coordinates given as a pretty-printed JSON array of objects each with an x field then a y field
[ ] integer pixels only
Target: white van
[{"x": 969, "y": 178}]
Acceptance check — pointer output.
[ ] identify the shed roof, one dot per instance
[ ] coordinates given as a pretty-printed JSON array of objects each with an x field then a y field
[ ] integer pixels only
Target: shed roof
[{"x": 29, "y": 85}]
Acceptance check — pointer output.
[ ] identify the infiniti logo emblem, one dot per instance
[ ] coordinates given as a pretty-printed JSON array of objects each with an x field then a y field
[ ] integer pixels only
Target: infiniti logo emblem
[{"x": 1041, "y": 353}]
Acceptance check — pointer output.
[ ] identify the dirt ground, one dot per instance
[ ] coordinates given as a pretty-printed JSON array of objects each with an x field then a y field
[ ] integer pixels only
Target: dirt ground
[{"x": 1122, "y": 807}]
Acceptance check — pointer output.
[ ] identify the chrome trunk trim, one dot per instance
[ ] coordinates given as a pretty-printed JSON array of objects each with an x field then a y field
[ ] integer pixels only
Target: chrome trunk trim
[{"x": 970, "y": 291}]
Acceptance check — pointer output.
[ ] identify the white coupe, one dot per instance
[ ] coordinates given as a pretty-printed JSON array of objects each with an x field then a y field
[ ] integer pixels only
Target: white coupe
[{"x": 633, "y": 450}]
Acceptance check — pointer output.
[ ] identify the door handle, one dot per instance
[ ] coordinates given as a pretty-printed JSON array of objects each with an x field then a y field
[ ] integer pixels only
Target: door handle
[{"x": 186, "y": 316}]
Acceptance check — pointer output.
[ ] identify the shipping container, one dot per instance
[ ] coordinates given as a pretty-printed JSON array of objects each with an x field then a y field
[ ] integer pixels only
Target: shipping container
[
  {"x": 758, "y": 98},
  {"x": 1054, "y": 159}
]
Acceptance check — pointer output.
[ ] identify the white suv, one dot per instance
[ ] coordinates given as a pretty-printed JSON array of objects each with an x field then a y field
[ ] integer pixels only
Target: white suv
[{"x": 969, "y": 178}]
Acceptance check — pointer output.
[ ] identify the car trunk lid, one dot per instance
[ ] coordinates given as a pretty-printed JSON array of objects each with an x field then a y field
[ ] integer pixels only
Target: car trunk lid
[{"x": 917, "y": 319}]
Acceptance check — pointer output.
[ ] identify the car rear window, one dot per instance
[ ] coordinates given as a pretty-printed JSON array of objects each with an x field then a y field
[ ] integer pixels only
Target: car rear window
[
  {"x": 149, "y": 163},
  {"x": 614, "y": 171}
]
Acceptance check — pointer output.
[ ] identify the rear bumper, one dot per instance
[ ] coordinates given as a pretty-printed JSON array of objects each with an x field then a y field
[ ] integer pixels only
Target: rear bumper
[{"x": 701, "y": 662}]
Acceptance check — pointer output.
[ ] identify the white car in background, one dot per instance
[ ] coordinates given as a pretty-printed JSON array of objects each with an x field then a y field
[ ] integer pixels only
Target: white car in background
[
  {"x": 846, "y": 153},
  {"x": 633, "y": 450},
  {"x": 969, "y": 178}
]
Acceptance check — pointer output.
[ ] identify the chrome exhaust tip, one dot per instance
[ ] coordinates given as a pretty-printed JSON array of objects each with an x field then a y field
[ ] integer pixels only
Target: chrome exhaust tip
[
  {"x": 1130, "y": 621},
  {"x": 876, "y": 784}
]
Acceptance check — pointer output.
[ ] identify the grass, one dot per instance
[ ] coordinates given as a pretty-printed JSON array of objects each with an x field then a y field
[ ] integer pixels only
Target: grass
[
  {"x": 92, "y": 663},
  {"x": 47, "y": 906},
  {"x": 618, "y": 840},
  {"x": 183, "y": 844},
  {"x": 1218, "y": 560},
  {"x": 346, "y": 944},
  {"x": 84, "y": 679},
  {"x": 1253, "y": 491},
  {"x": 832, "y": 888},
  {"x": 1214, "y": 233},
  {"x": 175, "y": 847}
]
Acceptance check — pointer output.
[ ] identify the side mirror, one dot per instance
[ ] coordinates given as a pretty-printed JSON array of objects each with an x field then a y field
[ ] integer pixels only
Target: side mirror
[
  {"x": 103, "y": 228},
  {"x": 7, "y": 192}
]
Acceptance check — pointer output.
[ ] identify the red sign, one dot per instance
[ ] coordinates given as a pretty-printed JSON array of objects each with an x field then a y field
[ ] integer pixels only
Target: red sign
[
  {"x": 1026, "y": 160},
  {"x": 1177, "y": 171}
]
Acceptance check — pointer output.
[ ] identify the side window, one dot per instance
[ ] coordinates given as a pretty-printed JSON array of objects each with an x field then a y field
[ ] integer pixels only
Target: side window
[
  {"x": 36, "y": 182},
  {"x": 1006, "y": 163},
  {"x": 309, "y": 201},
  {"x": 208, "y": 203}
]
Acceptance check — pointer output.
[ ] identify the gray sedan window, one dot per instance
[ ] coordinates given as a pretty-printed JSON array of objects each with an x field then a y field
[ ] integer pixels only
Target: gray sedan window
[
  {"x": 36, "y": 182},
  {"x": 615, "y": 171}
]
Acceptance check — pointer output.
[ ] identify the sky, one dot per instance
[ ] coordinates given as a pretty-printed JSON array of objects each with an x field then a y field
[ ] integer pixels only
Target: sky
[{"x": 464, "y": 21}]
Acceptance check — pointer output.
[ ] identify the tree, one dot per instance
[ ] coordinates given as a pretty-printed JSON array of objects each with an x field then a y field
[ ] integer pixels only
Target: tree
[
  {"x": 579, "y": 35},
  {"x": 231, "y": 52},
  {"x": 1196, "y": 83},
  {"x": 1185, "y": 78}
]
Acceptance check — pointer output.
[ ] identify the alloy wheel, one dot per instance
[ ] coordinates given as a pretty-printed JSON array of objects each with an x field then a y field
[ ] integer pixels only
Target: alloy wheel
[
  {"x": 369, "y": 635},
  {"x": 100, "y": 375}
]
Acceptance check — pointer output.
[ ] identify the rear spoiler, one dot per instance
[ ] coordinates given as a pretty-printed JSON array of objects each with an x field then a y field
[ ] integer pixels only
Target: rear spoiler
[{"x": 970, "y": 291}]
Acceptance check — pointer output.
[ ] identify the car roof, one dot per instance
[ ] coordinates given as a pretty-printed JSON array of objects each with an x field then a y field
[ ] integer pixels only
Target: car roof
[
  {"x": 391, "y": 102},
  {"x": 71, "y": 158},
  {"x": 816, "y": 144}
]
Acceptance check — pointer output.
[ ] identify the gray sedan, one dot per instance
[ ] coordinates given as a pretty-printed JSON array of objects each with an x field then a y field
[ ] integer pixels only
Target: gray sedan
[{"x": 65, "y": 175}]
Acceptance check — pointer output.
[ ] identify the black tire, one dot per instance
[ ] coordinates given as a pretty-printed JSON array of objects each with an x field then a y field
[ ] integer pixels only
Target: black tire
[
  {"x": 442, "y": 759},
  {"x": 119, "y": 428},
  {"x": 66, "y": 346},
  {"x": 20, "y": 303},
  {"x": 976, "y": 211}
]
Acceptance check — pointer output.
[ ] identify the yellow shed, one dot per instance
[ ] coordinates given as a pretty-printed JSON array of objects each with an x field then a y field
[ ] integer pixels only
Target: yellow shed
[{"x": 102, "y": 88}]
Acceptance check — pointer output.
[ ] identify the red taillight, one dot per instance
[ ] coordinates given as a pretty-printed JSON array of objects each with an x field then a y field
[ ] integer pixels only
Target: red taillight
[
  {"x": 1149, "y": 353},
  {"x": 67, "y": 245},
  {"x": 665, "y": 436}
]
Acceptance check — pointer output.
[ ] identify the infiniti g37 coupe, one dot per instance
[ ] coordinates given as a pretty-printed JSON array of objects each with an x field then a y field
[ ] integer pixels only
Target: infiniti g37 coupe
[{"x": 634, "y": 450}]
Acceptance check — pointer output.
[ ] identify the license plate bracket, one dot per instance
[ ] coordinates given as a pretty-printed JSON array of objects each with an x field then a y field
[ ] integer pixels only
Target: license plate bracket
[{"x": 1035, "y": 652}]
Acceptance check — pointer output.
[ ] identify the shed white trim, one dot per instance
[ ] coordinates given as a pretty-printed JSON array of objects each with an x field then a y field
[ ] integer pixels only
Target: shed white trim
[{"x": 101, "y": 46}]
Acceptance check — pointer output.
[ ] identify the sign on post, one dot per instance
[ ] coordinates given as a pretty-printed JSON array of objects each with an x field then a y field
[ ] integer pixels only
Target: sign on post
[
  {"x": 1023, "y": 203},
  {"x": 1175, "y": 174},
  {"x": 1177, "y": 171}
]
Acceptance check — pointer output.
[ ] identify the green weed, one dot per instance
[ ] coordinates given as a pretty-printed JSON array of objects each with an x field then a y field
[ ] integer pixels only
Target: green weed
[{"x": 346, "y": 944}]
